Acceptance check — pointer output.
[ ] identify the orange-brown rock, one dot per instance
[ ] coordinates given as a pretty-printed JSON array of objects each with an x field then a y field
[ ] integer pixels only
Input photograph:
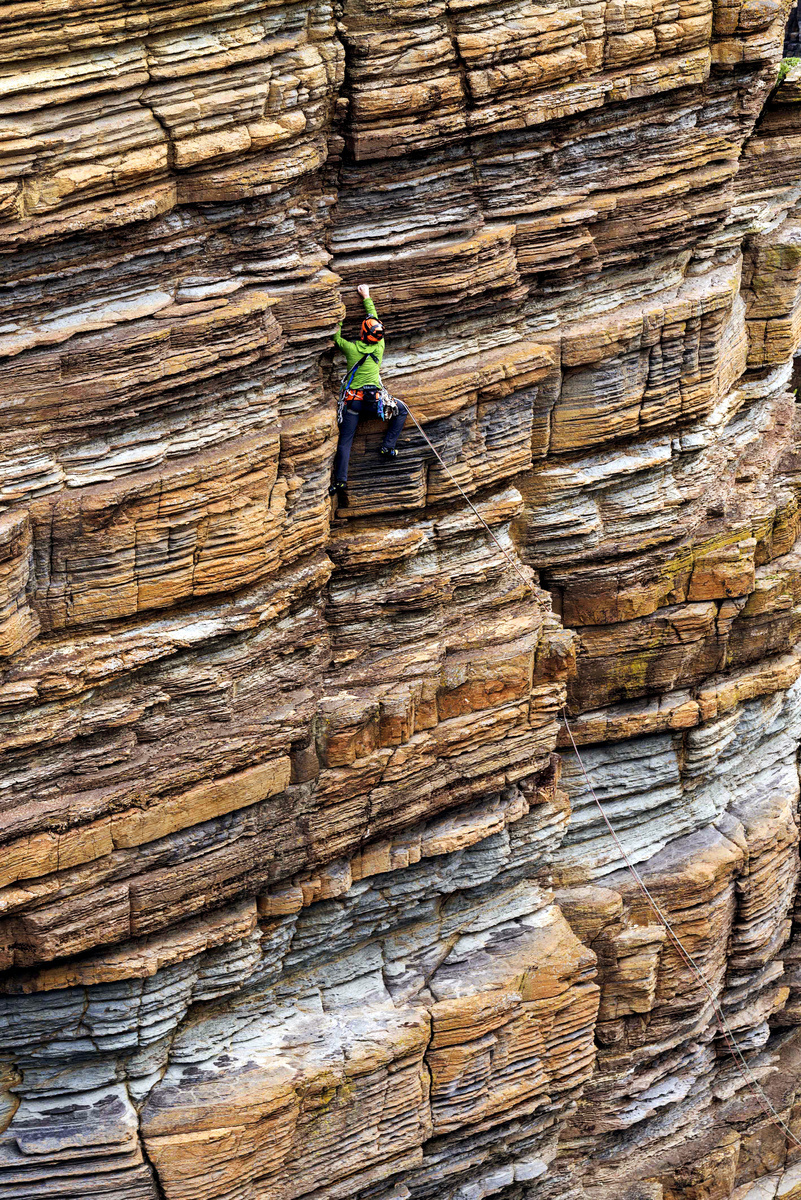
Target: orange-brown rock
[{"x": 304, "y": 892}]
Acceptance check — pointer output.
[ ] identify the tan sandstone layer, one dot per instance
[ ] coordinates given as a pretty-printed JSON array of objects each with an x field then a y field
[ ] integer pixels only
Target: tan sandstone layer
[{"x": 303, "y": 895}]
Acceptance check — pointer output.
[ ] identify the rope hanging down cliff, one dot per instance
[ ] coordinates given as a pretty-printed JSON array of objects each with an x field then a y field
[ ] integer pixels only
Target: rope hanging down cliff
[
  {"x": 739, "y": 1058},
  {"x": 454, "y": 480},
  {"x": 740, "y": 1061}
]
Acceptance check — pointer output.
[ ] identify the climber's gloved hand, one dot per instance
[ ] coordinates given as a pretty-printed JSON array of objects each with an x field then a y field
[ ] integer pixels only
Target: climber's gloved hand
[{"x": 364, "y": 290}]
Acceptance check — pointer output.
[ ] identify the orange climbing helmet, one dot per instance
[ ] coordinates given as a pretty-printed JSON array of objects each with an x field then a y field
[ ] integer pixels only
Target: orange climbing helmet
[{"x": 372, "y": 331}]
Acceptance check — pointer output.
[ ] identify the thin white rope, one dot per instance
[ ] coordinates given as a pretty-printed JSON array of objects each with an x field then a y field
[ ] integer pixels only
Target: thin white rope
[
  {"x": 739, "y": 1058},
  {"x": 527, "y": 582},
  {"x": 740, "y": 1061}
]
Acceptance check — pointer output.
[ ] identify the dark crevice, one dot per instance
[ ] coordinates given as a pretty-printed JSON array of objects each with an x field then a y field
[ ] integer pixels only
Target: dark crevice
[
  {"x": 158, "y": 1190},
  {"x": 792, "y": 34}
]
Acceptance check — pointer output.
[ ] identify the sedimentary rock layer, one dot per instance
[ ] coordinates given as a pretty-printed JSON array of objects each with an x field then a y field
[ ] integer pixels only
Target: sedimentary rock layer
[{"x": 303, "y": 890}]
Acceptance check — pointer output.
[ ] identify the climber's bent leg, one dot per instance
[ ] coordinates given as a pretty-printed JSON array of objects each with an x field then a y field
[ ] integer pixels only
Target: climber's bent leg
[
  {"x": 395, "y": 427},
  {"x": 347, "y": 432}
]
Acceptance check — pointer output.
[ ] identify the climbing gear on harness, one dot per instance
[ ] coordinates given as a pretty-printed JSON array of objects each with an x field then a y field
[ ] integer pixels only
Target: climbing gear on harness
[
  {"x": 386, "y": 405},
  {"x": 340, "y": 490},
  {"x": 372, "y": 331},
  {"x": 345, "y": 394}
]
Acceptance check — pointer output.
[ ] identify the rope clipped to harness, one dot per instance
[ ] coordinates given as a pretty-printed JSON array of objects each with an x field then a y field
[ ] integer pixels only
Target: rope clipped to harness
[
  {"x": 386, "y": 406},
  {"x": 344, "y": 387},
  {"x": 739, "y": 1059}
]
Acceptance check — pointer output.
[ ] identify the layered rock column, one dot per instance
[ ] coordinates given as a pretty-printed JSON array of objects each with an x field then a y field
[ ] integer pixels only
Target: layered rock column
[{"x": 303, "y": 892}]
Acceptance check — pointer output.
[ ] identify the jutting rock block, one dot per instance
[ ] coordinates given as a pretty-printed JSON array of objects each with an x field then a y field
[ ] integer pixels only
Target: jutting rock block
[{"x": 304, "y": 893}]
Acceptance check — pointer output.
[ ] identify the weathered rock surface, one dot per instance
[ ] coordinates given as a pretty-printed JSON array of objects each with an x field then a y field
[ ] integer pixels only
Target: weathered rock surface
[{"x": 303, "y": 893}]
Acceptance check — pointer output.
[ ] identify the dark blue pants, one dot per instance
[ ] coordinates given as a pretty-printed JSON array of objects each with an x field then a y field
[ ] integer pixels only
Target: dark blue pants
[{"x": 347, "y": 432}]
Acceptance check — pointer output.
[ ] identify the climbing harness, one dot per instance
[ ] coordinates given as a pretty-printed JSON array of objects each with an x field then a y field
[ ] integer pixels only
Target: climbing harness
[
  {"x": 386, "y": 405},
  {"x": 739, "y": 1059},
  {"x": 344, "y": 387}
]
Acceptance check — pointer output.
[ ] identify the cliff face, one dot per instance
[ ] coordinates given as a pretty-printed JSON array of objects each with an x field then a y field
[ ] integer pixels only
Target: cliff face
[{"x": 302, "y": 890}]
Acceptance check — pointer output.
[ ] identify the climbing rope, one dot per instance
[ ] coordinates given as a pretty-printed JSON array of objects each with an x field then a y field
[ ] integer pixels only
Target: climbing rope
[
  {"x": 526, "y": 582},
  {"x": 740, "y": 1061}
]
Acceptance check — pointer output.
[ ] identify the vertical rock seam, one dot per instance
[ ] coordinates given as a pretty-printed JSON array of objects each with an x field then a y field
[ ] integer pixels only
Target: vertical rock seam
[{"x": 303, "y": 895}]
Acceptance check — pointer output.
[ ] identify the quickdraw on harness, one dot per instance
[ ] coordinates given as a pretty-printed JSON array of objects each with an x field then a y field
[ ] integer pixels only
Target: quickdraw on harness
[{"x": 386, "y": 405}]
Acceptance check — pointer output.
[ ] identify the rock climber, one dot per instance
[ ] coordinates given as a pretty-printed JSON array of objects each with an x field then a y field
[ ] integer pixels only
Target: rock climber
[{"x": 364, "y": 395}]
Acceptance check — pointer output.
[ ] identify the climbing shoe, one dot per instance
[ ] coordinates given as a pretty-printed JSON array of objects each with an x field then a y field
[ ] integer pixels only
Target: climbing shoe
[
  {"x": 340, "y": 490},
  {"x": 384, "y": 452}
]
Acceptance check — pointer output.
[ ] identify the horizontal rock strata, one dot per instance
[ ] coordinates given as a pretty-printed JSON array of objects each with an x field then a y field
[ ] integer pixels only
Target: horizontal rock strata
[{"x": 304, "y": 893}]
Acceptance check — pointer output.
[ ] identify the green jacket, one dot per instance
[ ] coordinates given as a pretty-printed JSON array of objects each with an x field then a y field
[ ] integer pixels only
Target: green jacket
[{"x": 368, "y": 373}]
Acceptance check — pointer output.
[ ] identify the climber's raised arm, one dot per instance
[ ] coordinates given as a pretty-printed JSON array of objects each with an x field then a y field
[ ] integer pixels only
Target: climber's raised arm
[
  {"x": 369, "y": 307},
  {"x": 354, "y": 350},
  {"x": 372, "y": 330}
]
